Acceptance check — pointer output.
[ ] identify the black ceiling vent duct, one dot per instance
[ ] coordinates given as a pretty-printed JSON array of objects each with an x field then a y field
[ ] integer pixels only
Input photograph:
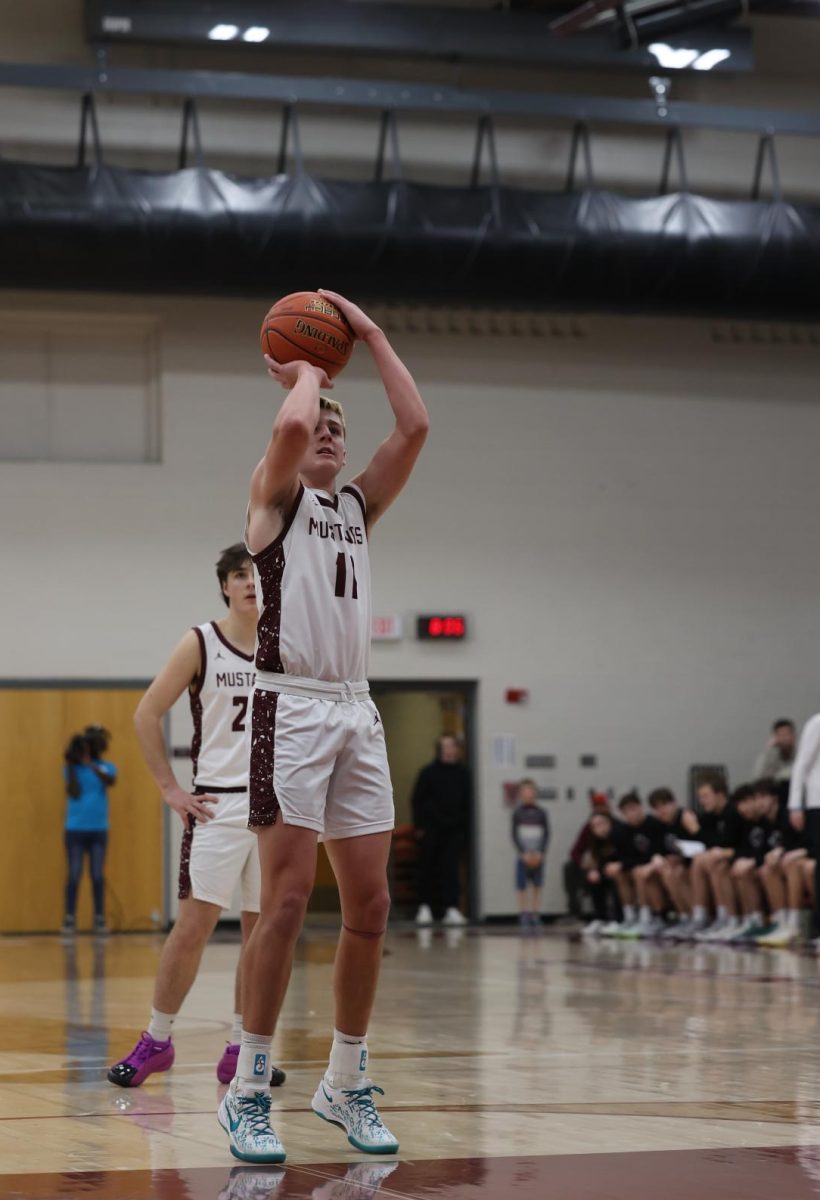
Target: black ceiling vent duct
[{"x": 198, "y": 230}]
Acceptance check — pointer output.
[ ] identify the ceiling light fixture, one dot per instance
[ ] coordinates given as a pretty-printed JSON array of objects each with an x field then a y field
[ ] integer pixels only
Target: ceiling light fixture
[
  {"x": 673, "y": 58},
  {"x": 223, "y": 33},
  {"x": 256, "y": 33},
  {"x": 711, "y": 58}
]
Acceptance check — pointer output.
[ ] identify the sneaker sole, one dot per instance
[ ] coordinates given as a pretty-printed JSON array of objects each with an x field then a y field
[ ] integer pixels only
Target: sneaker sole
[
  {"x": 389, "y": 1148},
  {"x": 251, "y": 1158}
]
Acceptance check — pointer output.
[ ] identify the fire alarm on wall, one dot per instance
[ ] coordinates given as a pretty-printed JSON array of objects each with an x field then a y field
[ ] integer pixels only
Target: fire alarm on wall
[{"x": 516, "y": 695}]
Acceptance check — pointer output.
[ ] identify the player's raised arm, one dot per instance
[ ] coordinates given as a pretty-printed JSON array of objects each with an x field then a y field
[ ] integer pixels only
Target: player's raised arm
[
  {"x": 391, "y": 465},
  {"x": 275, "y": 479},
  {"x": 180, "y": 672}
]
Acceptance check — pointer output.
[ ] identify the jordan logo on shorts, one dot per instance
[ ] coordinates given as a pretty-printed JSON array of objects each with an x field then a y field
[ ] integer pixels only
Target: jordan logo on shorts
[
  {"x": 376, "y": 719},
  {"x": 259, "y": 1064}
]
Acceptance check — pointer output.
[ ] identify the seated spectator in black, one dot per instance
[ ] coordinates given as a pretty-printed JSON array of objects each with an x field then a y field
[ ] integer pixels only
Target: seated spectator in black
[
  {"x": 712, "y": 889},
  {"x": 782, "y": 870},
  {"x": 639, "y": 841},
  {"x": 753, "y": 845},
  {"x": 574, "y": 874},
  {"x": 531, "y": 834},
  {"x": 671, "y": 865},
  {"x": 602, "y": 849}
]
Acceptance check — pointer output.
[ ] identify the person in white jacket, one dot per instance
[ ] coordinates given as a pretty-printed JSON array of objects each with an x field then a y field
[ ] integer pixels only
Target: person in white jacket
[{"x": 804, "y": 801}]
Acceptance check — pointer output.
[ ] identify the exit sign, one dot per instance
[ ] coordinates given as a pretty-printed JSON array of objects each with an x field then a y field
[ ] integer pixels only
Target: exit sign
[{"x": 445, "y": 628}]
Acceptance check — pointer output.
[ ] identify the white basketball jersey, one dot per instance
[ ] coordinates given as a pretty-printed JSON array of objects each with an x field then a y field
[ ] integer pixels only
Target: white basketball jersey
[
  {"x": 314, "y": 580},
  {"x": 220, "y": 749}
]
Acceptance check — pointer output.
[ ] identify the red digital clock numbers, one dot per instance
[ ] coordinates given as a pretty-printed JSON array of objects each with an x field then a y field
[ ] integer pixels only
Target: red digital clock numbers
[{"x": 441, "y": 628}]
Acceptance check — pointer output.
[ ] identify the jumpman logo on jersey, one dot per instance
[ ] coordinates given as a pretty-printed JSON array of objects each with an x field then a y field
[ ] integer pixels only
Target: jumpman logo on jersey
[{"x": 219, "y": 654}]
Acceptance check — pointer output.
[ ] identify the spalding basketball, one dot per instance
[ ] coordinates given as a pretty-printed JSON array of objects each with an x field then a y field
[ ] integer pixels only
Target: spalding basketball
[{"x": 306, "y": 326}]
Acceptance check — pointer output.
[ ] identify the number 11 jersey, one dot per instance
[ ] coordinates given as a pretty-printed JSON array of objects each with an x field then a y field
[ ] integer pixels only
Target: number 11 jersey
[
  {"x": 314, "y": 584},
  {"x": 220, "y": 697}
]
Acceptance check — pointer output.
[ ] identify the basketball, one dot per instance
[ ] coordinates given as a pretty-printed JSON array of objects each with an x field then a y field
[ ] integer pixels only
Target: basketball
[{"x": 306, "y": 326}]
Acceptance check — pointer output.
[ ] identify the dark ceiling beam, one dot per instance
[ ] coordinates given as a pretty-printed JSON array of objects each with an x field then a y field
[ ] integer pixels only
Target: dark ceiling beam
[
  {"x": 336, "y": 27},
  {"x": 406, "y": 97}
]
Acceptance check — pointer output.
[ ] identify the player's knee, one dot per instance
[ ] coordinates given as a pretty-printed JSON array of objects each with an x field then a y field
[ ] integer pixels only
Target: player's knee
[
  {"x": 287, "y": 916},
  {"x": 370, "y": 910},
  {"x": 191, "y": 935}
]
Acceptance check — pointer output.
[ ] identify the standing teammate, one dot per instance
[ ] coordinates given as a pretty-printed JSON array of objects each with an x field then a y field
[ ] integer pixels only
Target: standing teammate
[
  {"x": 318, "y": 759},
  {"x": 214, "y": 662}
]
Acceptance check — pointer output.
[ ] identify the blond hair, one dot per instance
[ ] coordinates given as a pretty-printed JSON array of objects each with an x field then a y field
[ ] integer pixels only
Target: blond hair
[{"x": 335, "y": 407}]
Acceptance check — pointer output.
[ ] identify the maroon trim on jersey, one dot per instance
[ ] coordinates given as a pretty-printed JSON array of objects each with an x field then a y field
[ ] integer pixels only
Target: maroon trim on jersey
[
  {"x": 184, "y": 889},
  {"x": 353, "y": 489},
  {"x": 263, "y": 804},
  {"x": 195, "y": 697},
  {"x": 271, "y": 570},
  {"x": 277, "y": 541},
  {"x": 233, "y": 649},
  {"x": 325, "y": 503},
  {"x": 199, "y": 679}
]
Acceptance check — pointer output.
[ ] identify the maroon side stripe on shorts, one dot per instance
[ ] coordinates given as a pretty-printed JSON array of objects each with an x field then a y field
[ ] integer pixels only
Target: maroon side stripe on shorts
[
  {"x": 264, "y": 807},
  {"x": 185, "y": 861}
]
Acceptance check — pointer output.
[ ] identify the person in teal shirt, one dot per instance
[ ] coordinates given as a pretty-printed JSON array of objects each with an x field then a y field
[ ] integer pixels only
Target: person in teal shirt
[{"x": 88, "y": 776}]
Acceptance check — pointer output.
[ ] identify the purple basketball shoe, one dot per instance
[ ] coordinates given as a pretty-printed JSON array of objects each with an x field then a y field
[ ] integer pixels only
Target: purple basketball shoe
[
  {"x": 226, "y": 1067},
  {"x": 147, "y": 1057}
]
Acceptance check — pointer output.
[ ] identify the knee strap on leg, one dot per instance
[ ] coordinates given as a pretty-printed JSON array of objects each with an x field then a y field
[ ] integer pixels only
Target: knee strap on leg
[{"x": 365, "y": 933}]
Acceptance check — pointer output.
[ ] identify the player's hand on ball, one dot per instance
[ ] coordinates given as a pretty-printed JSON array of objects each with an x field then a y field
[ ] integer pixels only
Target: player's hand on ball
[
  {"x": 186, "y": 805},
  {"x": 357, "y": 319},
  {"x": 287, "y": 374}
]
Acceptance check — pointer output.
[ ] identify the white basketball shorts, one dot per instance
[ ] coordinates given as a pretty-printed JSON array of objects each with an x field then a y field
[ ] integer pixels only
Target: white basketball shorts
[
  {"x": 319, "y": 763},
  {"x": 219, "y": 854}
]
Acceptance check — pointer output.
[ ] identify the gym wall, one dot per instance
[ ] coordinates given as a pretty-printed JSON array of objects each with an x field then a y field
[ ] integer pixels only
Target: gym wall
[{"x": 625, "y": 509}]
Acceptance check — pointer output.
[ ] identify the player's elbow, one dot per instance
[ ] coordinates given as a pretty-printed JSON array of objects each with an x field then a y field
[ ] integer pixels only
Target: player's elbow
[
  {"x": 145, "y": 715},
  {"x": 418, "y": 427}
]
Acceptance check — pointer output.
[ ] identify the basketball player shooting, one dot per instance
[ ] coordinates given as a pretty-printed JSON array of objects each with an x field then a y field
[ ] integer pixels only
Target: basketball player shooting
[{"x": 318, "y": 759}]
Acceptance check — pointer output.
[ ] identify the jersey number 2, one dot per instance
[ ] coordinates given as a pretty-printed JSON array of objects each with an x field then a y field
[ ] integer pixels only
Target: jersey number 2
[
  {"x": 240, "y": 702},
  {"x": 341, "y": 575}
]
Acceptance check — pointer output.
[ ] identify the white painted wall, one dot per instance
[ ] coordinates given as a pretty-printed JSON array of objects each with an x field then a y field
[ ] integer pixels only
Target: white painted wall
[{"x": 628, "y": 517}]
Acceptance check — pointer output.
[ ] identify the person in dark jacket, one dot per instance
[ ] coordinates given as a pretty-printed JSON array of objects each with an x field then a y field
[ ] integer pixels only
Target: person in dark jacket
[
  {"x": 603, "y": 848},
  {"x": 442, "y": 803},
  {"x": 575, "y": 876},
  {"x": 531, "y": 834}
]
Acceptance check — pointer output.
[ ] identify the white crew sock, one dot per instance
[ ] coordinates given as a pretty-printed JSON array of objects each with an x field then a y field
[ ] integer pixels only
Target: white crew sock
[
  {"x": 253, "y": 1065},
  {"x": 645, "y": 914},
  {"x": 348, "y": 1060},
  {"x": 756, "y": 918},
  {"x": 161, "y": 1025},
  {"x": 630, "y": 914},
  {"x": 793, "y": 919},
  {"x": 236, "y": 1029},
  {"x": 722, "y": 913},
  {"x": 780, "y": 918},
  {"x": 699, "y": 913}
]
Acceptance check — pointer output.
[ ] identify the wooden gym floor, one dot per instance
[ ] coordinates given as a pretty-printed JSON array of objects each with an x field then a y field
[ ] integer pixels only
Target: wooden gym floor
[{"x": 522, "y": 1067}]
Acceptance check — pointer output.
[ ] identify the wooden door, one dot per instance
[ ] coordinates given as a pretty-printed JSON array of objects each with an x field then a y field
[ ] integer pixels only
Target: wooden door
[{"x": 36, "y": 725}]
